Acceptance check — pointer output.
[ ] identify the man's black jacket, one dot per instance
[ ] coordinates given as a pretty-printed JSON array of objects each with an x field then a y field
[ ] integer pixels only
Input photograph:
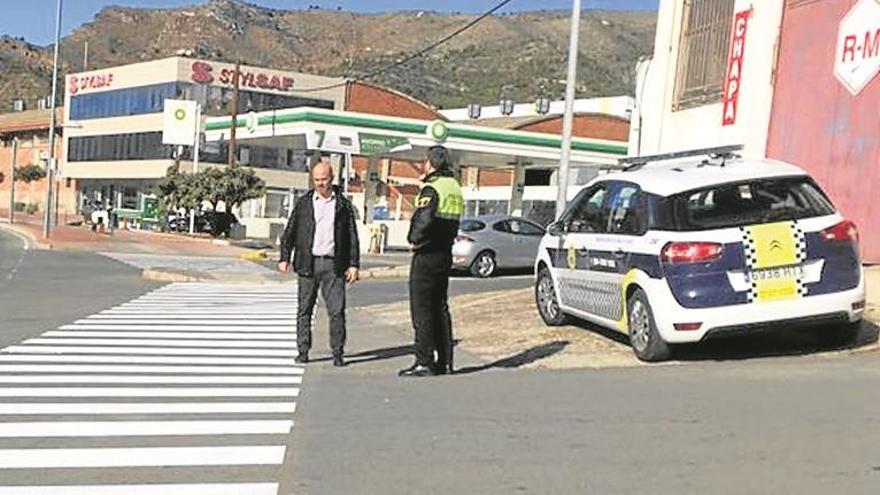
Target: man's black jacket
[
  {"x": 300, "y": 233},
  {"x": 428, "y": 232}
]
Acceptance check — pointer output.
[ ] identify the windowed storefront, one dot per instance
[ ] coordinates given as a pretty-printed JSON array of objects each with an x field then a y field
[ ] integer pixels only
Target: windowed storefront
[
  {"x": 110, "y": 147},
  {"x": 151, "y": 99}
]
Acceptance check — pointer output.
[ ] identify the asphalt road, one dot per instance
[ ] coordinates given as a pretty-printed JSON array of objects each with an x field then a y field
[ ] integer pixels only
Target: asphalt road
[
  {"x": 371, "y": 292},
  {"x": 40, "y": 290},
  {"x": 749, "y": 424},
  {"x": 752, "y": 424}
]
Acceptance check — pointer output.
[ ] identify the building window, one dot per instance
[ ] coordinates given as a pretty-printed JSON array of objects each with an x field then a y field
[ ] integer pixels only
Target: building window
[
  {"x": 123, "y": 102},
  {"x": 702, "y": 52},
  {"x": 111, "y": 147}
]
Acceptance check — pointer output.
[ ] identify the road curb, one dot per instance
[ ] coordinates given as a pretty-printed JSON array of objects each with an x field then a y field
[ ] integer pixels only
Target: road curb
[
  {"x": 31, "y": 240},
  {"x": 385, "y": 273},
  {"x": 173, "y": 275}
]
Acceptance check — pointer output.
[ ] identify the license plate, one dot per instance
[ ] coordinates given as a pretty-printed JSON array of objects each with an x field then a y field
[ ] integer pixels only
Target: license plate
[{"x": 796, "y": 271}]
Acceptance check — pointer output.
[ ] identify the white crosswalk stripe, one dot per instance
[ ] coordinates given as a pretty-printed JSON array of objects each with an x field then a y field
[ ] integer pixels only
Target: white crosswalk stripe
[{"x": 190, "y": 376}]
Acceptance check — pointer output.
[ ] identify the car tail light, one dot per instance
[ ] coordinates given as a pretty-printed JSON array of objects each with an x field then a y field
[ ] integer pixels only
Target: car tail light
[
  {"x": 842, "y": 232},
  {"x": 463, "y": 238},
  {"x": 691, "y": 252}
]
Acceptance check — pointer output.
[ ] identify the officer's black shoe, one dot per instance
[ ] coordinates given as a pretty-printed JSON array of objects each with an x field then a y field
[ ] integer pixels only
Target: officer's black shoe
[
  {"x": 302, "y": 357},
  {"x": 416, "y": 370},
  {"x": 442, "y": 369},
  {"x": 338, "y": 360}
]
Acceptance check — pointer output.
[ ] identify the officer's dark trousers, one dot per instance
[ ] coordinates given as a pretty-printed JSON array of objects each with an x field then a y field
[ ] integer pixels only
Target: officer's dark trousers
[
  {"x": 429, "y": 307},
  {"x": 333, "y": 291}
]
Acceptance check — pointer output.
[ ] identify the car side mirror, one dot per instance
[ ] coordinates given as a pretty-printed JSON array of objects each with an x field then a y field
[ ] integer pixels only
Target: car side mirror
[{"x": 556, "y": 228}]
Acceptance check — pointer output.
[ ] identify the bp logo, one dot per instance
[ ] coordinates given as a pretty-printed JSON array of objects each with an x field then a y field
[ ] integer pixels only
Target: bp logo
[
  {"x": 438, "y": 130},
  {"x": 179, "y": 114},
  {"x": 572, "y": 257}
]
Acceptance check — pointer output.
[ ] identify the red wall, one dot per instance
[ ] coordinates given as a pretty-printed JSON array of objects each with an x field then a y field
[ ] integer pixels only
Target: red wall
[
  {"x": 585, "y": 126},
  {"x": 818, "y": 124}
]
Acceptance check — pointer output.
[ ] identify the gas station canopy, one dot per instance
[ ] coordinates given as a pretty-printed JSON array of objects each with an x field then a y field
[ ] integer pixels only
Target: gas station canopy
[{"x": 369, "y": 135}]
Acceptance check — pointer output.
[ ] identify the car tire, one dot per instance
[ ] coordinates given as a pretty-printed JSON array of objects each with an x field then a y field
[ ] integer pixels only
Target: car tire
[
  {"x": 484, "y": 265},
  {"x": 546, "y": 300},
  {"x": 645, "y": 340},
  {"x": 838, "y": 335}
]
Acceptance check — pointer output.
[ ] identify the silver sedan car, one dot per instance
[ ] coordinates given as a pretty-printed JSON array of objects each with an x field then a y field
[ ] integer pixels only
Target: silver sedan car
[{"x": 487, "y": 243}]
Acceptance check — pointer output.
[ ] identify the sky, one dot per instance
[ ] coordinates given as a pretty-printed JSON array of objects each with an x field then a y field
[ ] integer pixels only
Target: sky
[{"x": 35, "y": 19}]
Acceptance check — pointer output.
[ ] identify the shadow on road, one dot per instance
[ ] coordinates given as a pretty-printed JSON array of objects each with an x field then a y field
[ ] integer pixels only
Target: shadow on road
[
  {"x": 379, "y": 354},
  {"x": 521, "y": 359},
  {"x": 761, "y": 344}
]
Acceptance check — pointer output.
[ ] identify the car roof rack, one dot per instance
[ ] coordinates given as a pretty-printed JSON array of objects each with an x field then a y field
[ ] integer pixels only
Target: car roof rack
[{"x": 631, "y": 163}]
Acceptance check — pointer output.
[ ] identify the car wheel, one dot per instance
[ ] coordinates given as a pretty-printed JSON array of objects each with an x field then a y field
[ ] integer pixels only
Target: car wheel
[
  {"x": 643, "y": 335},
  {"x": 545, "y": 299},
  {"x": 484, "y": 265},
  {"x": 838, "y": 335}
]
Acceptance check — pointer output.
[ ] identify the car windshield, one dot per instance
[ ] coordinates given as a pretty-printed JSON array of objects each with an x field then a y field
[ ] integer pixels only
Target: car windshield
[
  {"x": 746, "y": 203},
  {"x": 471, "y": 225}
]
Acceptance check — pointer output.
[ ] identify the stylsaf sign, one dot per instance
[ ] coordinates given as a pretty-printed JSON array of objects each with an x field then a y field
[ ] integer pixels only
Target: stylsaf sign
[{"x": 857, "y": 59}]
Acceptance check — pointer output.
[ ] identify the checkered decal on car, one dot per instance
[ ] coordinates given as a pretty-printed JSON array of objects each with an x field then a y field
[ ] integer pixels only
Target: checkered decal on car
[
  {"x": 596, "y": 297},
  {"x": 772, "y": 254}
]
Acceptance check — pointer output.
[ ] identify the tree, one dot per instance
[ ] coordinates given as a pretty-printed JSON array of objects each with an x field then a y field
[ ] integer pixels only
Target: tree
[
  {"x": 29, "y": 174},
  {"x": 231, "y": 186}
]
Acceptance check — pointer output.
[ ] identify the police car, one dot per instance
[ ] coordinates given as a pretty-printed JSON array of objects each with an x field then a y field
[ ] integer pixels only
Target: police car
[{"x": 682, "y": 249}]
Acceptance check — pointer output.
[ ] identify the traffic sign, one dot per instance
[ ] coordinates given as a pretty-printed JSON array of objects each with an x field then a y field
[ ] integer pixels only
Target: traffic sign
[{"x": 857, "y": 59}]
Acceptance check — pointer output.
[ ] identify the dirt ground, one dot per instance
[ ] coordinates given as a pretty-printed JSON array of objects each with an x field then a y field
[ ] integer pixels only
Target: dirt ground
[{"x": 504, "y": 328}]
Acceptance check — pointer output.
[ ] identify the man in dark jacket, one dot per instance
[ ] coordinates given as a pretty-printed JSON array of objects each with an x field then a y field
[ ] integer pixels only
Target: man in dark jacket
[
  {"x": 432, "y": 232},
  {"x": 322, "y": 234}
]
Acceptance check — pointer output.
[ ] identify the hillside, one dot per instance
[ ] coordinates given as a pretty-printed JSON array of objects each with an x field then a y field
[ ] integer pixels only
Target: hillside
[{"x": 516, "y": 55}]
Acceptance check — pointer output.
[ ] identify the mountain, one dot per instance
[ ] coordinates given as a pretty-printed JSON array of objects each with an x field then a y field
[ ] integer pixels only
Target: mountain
[{"x": 518, "y": 56}]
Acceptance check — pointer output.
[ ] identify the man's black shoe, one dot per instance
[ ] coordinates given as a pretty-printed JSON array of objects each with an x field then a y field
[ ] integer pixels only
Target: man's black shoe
[
  {"x": 338, "y": 361},
  {"x": 442, "y": 369},
  {"x": 416, "y": 370},
  {"x": 302, "y": 358}
]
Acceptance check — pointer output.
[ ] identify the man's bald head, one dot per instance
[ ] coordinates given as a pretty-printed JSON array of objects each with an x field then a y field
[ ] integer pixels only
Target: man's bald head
[{"x": 322, "y": 176}]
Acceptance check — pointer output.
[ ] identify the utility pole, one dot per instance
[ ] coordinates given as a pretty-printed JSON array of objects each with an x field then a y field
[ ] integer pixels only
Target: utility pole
[
  {"x": 50, "y": 175},
  {"x": 568, "y": 118},
  {"x": 233, "y": 155},
  {"x": 12, "y": 186}
]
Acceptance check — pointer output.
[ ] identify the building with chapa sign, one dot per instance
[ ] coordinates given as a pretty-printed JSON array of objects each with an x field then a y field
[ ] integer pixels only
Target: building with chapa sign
[
  {"x": 794, "y": 80},
  {"x": 113, "y": 145}
]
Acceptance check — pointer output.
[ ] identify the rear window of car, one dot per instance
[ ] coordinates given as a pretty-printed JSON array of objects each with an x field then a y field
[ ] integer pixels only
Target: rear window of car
[
  {"x": 743, "y": 203},
  {"x": 471, "y": 225}
]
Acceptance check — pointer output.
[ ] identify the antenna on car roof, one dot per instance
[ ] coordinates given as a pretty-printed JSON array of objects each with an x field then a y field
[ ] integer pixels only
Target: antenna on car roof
[{"x": 724, "y": 152}]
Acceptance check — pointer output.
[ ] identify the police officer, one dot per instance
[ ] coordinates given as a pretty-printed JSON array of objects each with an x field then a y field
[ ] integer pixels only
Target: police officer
[{"x": 432, "y": 232}]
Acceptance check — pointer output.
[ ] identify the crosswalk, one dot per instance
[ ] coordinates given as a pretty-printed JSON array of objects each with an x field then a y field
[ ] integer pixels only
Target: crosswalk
[{"x": 187, "y": 390}]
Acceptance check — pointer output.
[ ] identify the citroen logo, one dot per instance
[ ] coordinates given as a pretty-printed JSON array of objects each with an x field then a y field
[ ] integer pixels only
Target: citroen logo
[{"x": 775, "y": 245}]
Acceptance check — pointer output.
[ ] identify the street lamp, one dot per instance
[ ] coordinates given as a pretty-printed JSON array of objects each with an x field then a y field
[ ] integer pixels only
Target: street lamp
[
  {"x": 50, "y": 166},
  {"x": 568, "y": 117}
]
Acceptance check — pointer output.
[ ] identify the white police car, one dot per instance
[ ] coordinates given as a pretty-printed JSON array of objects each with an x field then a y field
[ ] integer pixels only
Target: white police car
[{"x": 678, "y": 251}]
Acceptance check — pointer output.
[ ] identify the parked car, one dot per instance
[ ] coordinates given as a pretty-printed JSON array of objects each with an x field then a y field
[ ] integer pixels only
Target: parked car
[
  {"x": 487, "y": 243},
  {"x": 679, "y": 252}
]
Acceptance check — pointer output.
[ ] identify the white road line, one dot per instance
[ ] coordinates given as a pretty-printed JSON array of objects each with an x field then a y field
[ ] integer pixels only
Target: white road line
[
  {"x": 151, "y": 334},
  {"x": 184, "y": 328},
  {"x": 143, "y": 428},
  {"x": 110, "y": 408},
  {"x": 185, "y": 316},
  {"x": 48, "y": 358},
  {"x": 140, "y": 457},
  {"x": 289, "y": 344},
  {"x": 126, "y": 368},
  {"x": 158, "y": 351},
  {"x": 149, "y": 392},
  {"x": 222, "y": 379},
  {"x": 151, "y": 489},
  {"x": 201, "y": 321}
]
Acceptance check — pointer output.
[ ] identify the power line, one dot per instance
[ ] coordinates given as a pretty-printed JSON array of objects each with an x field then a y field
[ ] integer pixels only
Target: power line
[{"x": 445, "y": 39}]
